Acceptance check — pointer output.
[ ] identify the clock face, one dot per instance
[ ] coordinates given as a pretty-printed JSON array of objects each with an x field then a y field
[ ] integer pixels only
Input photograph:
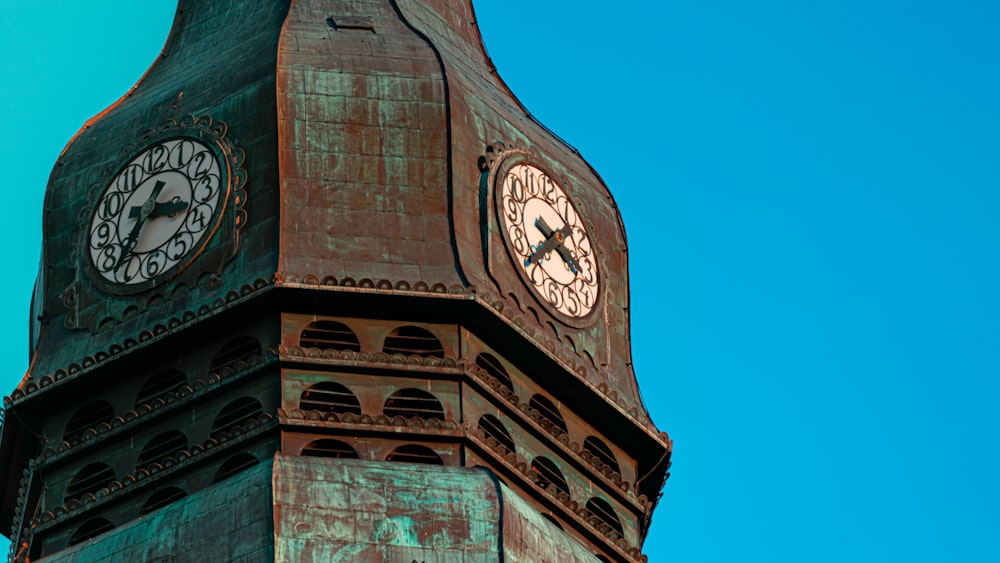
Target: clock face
[
  {"x": 548, "y": 240},
  {"x": 156, "y": 213}
]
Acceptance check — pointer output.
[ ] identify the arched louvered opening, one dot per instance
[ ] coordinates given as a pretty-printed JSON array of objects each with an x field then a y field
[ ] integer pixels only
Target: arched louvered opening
[
  {"x": 87, "y": 417},
  {"x": 234, "y": 465},
  {"x": 413, "y": 453},
  {"x": 601, "y": 451},
  {"x": 91, "y": 529},
  {"x": 329, "y": 335},
  {"x": 162, "y": 498},
  {"x": 90, "y": 479},
  {"x": 328, "y": 396},
  {"x": 236, "y": 413},
  {"x": 161, "y": 447},
  {"x": 329, "y": 448},
  {"x": 159, "y": 385},
  {"x": 552, "y": 519},
  {"x": 605, "y": 514},
  {"x": 408, "y": 340},
  {"x": 548, "y": 410},
  {"x": 495, "y": 429},
  {"x": 413, "y": 402},
  {"x": 547, "y": 473},
  {"x": 237, "y": 349},
  {"x": 491, "y": 365}
]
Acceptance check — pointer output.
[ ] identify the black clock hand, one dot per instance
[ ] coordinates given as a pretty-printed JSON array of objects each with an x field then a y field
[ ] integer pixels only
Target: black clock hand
[
  {"x": 169, "y": 208},
  {"x": 554, "y": 239},
  {"x": 144, "y": 211}
]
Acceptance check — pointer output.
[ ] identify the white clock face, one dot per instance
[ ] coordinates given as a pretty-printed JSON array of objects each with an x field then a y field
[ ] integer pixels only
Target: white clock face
[
  {"x": 548, "y": 240},
  {"x": 156, "y": 213}
]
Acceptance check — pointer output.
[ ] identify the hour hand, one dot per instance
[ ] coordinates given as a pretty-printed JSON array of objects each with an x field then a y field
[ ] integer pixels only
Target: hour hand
[{"x": 169, "y": 208}]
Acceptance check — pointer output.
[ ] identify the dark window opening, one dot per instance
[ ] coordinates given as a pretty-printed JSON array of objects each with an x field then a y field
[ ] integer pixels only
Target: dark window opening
[
  {"x": 408, "y": 340},
  {"x": 329, "y": 448},
  {"x": 234, "y": 465},
  {"x": 328, "y": 396},
  {"x": 87, "y": 417},
  {"x": 413, "y": 402},
  {"x": 413, "y": 453},
  {"x": 495, "y": 429},
  {"x": 90, "y": 479},
  {"x": 161, "y": 384},
  {"x": 160, "y": 448},
  {"x": 603, "y": 511},
  {"x": 548, "y": 474},
  {"x": 548, "y": 410},
  {"x": 492, "y": 366},
  {"x": 91, "y": 529},
  {"x": 601, "y": 451},
  {"x": 236, "y": 413},
  {"x": 329, "y": 335},
  {"x": 162, "y": 498},
  {"x": 552, "y": 519},
  {"x": 236, "y": 350}
]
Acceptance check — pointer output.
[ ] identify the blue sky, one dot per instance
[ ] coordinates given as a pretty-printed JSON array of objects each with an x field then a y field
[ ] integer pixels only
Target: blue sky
[{"x": 810, "y": 191}]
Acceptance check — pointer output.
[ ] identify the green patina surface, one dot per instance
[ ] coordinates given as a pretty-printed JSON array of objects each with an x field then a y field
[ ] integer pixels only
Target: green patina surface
[
  {"x": 354, "y": 510},
  {"x": 229, "y": 521}
]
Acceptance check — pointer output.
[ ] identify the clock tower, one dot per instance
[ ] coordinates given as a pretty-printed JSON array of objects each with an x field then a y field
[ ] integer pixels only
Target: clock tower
[{"x": 320, "y": 288}]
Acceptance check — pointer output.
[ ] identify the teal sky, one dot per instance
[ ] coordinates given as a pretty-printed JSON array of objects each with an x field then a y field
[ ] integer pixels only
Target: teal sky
[{"x": 810, "y": 191}]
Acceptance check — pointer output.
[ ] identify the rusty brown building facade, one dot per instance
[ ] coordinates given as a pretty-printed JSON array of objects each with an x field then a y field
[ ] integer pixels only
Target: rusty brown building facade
[{"x": 320, "y": 289}]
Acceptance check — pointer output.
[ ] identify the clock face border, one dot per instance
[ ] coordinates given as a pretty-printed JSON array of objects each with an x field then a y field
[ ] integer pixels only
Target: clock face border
[
  {"x": 506, "y": 162},
  {"x": 228, "y": 208},
  {"x": 141, "y": 160}
]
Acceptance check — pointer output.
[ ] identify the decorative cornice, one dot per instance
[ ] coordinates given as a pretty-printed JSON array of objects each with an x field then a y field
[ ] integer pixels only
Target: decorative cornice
[
  {"x": 155, "y": 472},
  {"x": 169, "y": 402},
  {"x": 157, "y": 332}
]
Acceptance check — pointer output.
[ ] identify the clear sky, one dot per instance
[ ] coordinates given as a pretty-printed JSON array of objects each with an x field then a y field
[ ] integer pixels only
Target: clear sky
[{"x": 810, "y": 191}]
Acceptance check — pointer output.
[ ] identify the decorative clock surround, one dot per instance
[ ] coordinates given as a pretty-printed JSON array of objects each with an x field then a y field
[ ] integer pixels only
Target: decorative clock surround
[
  {"x": 546, "y": 236},
  {"x": 170, "y": 210}
]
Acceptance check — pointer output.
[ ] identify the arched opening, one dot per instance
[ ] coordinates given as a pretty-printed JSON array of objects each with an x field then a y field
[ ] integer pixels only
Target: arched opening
[
  {"x": 329, "y": 448},
  {"x": 236, "y": 350},
  {"x": 90, "y": 479},
  {"x": 601, "y": 451},
  {"x": 548, "y": 411},
  {"x": 329, "y": 335},
  {"x": 91, "y": 529},
  {"x": 413, "y": 453},
  {"x": 546, "y": 473},
  {"x": 162, "y": 446},
  {"x": 159, "y": 385},
  {"x": 491, "y": 365},
  {"x": 413, "y": 402},
  {"x": 234, "y": 465},
  {"x": 605, "y": 514},
  {"x": 328, "y": 396},
  {"x": 161, "y": 498},
  {"x": 87, "y": 417},
  {"x": 495, "y": 429},
  {"x": 236, "y": 413},
  {"x": 552, "y": 519},
  {"x": 409, "y": 340}
]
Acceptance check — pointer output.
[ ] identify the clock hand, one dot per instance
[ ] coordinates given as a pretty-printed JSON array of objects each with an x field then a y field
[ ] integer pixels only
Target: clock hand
[
  {"x": 144, "y": 211},
  {"x": 169, "y": 208},
  {"x": 554, "y": 239}
]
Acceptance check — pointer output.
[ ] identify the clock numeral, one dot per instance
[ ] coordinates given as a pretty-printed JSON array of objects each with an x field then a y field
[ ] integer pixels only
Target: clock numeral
[
  {"x": 130, "y": 178},
  {"x": 102, "y": 235},
  {"x": 156, "y": 159},
  {"x": 206, "y": 188},
  {"x": 154, "y": 264},
  {"x": 180, "y": 154},
  {"x": 201, "y": 164},
  {"x": 197, "y": 220},
  {"x": 111, "y": 205},
  {"x": 178, "y": 246}
]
